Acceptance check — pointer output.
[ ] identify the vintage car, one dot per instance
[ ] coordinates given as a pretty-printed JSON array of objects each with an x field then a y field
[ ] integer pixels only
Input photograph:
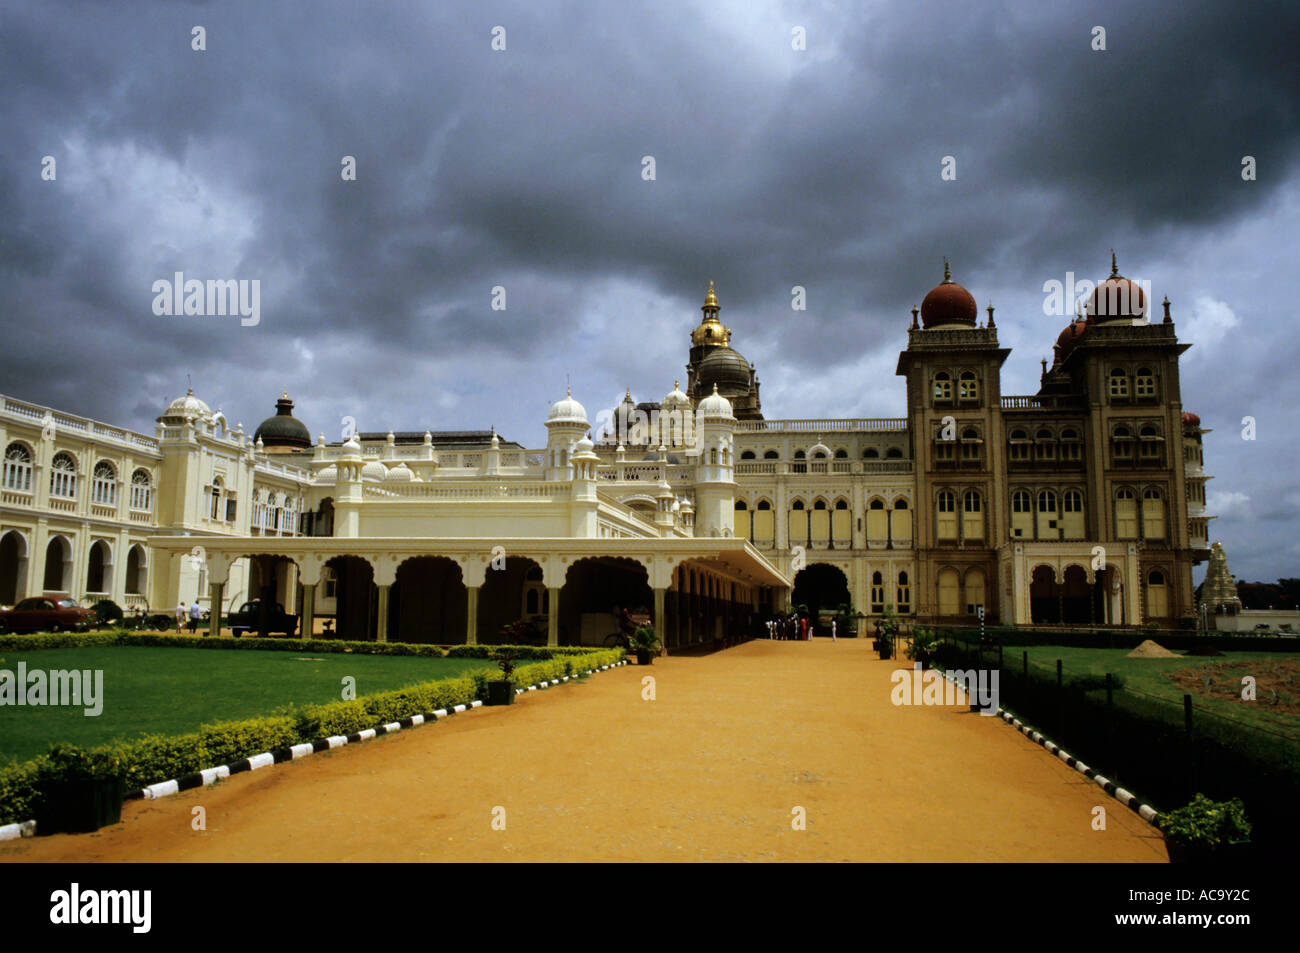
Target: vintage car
[
  {"x": 247, "y": 619},
  {"x": 46, "y": 614}
]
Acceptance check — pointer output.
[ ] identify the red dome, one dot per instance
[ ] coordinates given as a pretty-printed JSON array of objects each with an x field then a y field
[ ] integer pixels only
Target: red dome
[
  {"x": 1069, "y": 338},
  {"x": 1116, "y": 298},
  {"x": 948, "y": 303},
  {"x": 1191, "y": 420}
]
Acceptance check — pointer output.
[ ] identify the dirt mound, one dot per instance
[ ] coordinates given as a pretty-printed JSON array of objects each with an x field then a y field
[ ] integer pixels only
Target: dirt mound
[{"x": 1150, "y": 649}]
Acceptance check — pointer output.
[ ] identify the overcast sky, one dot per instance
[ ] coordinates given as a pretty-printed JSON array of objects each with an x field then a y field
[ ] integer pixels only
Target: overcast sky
[{"x": 523, "y": 168}]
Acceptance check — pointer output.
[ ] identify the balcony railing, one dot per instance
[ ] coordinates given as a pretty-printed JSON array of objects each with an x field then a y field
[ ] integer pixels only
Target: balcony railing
[{"x": 825, "y": 425}]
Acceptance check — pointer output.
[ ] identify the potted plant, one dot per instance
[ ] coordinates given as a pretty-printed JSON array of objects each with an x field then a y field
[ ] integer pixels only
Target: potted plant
[
  {"x": 888, "y": 629},
  {"x": 1205, "y": 830},
  {"x": 80, "y": 791},
  {"x": 501, "y": 691},
  {"x": 923, "y": 646},
  {"x": 645, "y": 643}
]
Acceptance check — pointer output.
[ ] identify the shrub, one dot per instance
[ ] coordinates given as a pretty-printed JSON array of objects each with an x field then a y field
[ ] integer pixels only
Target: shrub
[
  {"x": 106, "y": 611},
  {"x": 1206, "y": 825}
]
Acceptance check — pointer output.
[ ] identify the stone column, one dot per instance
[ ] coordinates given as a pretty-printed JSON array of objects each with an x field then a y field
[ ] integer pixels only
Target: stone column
[
  {"x": 381, "y": 609},
  {"x": 553, "y": 617},
  {"x": 216, "y": 592},
  {"x": 308, "y": 629},
  {"x": 471, "y": 615},
  {"x": 660, "y": 628}
]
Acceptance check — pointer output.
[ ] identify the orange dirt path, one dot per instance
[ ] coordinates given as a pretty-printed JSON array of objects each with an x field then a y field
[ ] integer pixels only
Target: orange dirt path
[{"x": 710, "y": 770}]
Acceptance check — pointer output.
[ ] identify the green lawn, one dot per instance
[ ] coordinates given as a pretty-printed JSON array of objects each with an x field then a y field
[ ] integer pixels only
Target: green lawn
[
  {"x": 172, "y": 691},
  {"x": 1149, "y": 675}
]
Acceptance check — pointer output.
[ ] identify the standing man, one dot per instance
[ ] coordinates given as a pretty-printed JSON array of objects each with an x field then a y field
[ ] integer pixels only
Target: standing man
[
  {"x": 833, "y": 639},
  {"x": 195, "y": 612},
  {"x": 181, "y": 613}
]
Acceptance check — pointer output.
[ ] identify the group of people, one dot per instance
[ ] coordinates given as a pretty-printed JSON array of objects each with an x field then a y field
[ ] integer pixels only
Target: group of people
[
  {"x": 193, "y": 613},
  {"x": 789, "y": 627}
]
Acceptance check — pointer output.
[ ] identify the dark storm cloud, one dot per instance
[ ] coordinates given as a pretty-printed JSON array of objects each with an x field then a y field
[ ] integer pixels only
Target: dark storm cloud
[{"x": 522, "y": 169}]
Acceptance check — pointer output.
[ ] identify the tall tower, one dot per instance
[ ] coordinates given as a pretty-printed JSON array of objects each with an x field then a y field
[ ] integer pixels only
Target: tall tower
[
  {"x": 715, "y": 482},
  {"x": 566, "y": 424},
  {"x": 714, "y": 363}
]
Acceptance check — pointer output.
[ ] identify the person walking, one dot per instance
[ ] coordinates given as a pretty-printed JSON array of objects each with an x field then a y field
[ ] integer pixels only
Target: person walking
[
  {"x": 181, "y": 613},
  {"x": 195, "y": 612},
  {"x": 833, "y": 639},
  {"x": 803, "y": 628}
]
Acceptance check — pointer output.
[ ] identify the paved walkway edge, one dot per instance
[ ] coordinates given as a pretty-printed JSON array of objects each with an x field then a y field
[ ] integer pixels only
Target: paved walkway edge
[
  {"x": 1129, "y": 800},
  {"x": 280, "y": 755}
]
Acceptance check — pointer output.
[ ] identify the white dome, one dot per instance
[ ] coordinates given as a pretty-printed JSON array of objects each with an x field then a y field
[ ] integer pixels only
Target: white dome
[
  {"x": 675, "y": 399},
  {"x": 567, "y": 411},
  {"x": 188, "y": 406},
  {"x": 329, "y": 474},
  {"x": 819, "y": 447},
  {"x": 584, "y": 445},
  {"x": 715, "y": 406},
  {"x": 374, "y": 470},
  {"x": 400, "y": 474}
]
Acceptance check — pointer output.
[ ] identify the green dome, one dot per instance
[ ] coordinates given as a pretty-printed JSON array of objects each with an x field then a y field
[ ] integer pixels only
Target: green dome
[{"x": 284, "y": 429}]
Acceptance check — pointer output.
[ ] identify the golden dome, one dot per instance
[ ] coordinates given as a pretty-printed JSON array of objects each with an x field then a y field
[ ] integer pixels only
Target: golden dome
[{"x": 711, "y": 330}]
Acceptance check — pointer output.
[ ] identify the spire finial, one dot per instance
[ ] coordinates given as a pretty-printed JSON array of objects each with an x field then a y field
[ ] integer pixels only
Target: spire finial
[
  {"x": 1168, "y": 319},
  {"x": 991, "y": 324},
  {"x": 628, "y": 395},
  {"x": 947, "y": 276},
  {"x": 915, "y": 312},
  {"x": 711, "y": 297},
  {"x": 676, "y": 384},
  {"x": 1114, "y": 267}
]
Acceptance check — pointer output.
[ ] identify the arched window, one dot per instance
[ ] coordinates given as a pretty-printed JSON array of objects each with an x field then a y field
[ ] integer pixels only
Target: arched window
[
  {"x": 214, "y": 508},
  {"x": 63, "y": 477},
  {"x": 103, "y": 486},
  {"x": 946, "y": 522},
  {"x": 1122, "y": 441},
  {"x": 1049, "y": 516},
  {"x": 1153, "y": 514},
  {"x": 1072, "y": 521},
  {"x": 799, "y": 455},
  {"x": 1045, "y": 444},
  {"x": 1149, "y": 443},
  {"x": 1118, "y": 384},
  {"x": 944, "y": 449},
  {"x": 1144, "y": 386},
  {"x": 904, "y": 599},
  {"x": 18, "y": 468},
  {"x": 974, "y": 590},
  {"x": 942, "y": 387},
  {"x": 741, "y": 523},
  {"x": 764, "y": 524},
  {"x": 970, "y": 444},
  {"x": 1071, "y": 446},
  {"x": 842, "y": 525},
  {"x": 747, "y": 455},
  {"x": 771, "y": 455},
  {"x": 949, "y": 592},
  {"x": 141, "y": 491},
  {"x": 877, "y": 592},
  {"x": 871, "y": 453},
  {"x": 841, "y": 454},
  {"x": 798, "y": 524},
  {"x": 1126, "y": 526},
  {"x": 1157, "y": 595},
  {"x": 1020, "y": 445},
  {"x": 1022, "y": 515},
  {"x": 900, "y": 524},
  {"x": 969, "y": 387},
  {"x": 893, "y": 453},
  {"x": 972, "y": 515},
  {"x": 877, "y": 521}
]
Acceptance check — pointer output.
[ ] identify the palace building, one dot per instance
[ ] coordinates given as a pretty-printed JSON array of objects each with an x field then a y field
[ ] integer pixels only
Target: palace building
[{"x": 1083, "y": 503}]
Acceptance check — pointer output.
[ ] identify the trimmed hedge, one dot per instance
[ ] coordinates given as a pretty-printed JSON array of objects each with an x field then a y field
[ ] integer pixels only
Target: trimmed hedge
[
  {"x": 119, "y": 636},
  {"x": 153, "y": 758}
]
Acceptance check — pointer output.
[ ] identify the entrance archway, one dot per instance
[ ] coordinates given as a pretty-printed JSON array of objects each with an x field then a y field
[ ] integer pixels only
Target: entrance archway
[
  {"x": 1044, "y": 597},
  {"x": 99, "y": 569},
  {"x": 822, "y": 588},
  {"x": 58, "y": 565},
  {"x": 1076, "y": 597},
  {"x": 593, "y": 587},
  {"x": 427, "y": 603},
  {"x": 513, "y": 593},
  {"x": 13, "y": 567},
  {"x": 137, "y": 562},
  {"x": 354, "y": 591}
]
